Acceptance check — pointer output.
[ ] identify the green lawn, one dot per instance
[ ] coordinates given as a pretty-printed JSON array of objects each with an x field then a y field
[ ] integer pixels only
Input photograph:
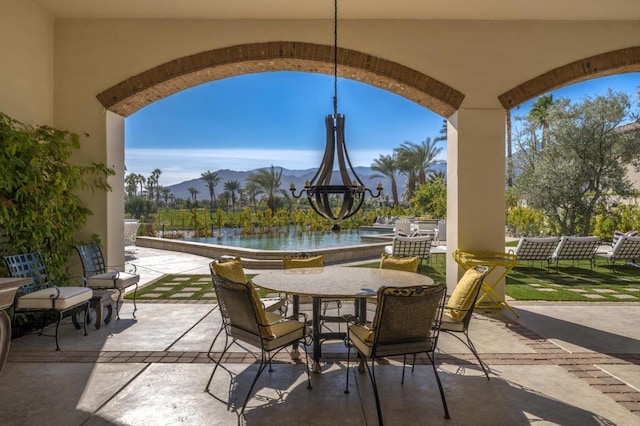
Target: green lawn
[{"x": 525, "y": 282}]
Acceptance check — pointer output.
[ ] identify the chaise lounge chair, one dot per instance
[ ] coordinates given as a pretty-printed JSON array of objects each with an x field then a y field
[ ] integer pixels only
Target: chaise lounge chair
[
  {"x": 626, "y": 248},
  {"x": 576, "y": 248},
  {"x": 536, "y": 249}
]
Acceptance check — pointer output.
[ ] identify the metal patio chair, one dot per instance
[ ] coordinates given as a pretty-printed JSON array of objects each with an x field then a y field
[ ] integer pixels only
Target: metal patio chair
[
  {"x": 99, "y": 276},
  {"x": 43, "y": 295},
  {"x": 245, "y": 320},
  {"x": 459, "y": 309},
  {"x": 230, "y": 268},
  {"x": 406, "y": 322},
  {"x": 410, "y": 247}
]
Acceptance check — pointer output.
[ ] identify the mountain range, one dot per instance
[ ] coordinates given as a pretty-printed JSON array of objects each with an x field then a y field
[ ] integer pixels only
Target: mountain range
[{"x": 297, "y": 177}]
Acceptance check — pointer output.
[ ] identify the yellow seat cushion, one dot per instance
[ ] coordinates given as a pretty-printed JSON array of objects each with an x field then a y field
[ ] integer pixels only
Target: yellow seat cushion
[
  {"x": 408, "y": 264},
  {"x": 462, "y": 298},
  {"x": 230, "y": 270},
  {"x": 303, "y": 262}
]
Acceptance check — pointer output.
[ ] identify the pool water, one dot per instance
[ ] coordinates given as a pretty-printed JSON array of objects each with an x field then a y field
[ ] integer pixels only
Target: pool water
[{"x": 292, "y": 241}]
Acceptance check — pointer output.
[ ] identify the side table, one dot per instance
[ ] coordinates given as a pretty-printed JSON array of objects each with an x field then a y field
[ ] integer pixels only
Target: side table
[
  {"x": 492, "y": 260},
  {"x": 101, "y": 303}
]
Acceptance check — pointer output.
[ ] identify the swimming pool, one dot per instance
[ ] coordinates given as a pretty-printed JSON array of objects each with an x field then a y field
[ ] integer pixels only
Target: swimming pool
[{"x": 291, "y": 241}]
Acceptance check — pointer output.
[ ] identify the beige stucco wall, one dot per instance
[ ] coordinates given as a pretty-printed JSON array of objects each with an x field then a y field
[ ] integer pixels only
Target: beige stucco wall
[{"x": 26, "y": 64}]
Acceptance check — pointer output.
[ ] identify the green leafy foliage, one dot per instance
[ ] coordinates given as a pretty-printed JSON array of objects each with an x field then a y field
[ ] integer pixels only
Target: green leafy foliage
[
  {"x": 40, "y": 209},
  {"x": 579, "y": 165}
]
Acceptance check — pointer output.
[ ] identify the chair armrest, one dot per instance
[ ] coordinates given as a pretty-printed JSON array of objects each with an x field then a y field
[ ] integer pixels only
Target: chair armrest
[{"x": 57, "y": 289}]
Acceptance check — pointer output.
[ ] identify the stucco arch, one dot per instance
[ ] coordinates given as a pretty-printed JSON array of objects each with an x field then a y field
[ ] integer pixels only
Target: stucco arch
[
  {"x": 615, "y": 62},
  {"x": 138, "y": 91}
]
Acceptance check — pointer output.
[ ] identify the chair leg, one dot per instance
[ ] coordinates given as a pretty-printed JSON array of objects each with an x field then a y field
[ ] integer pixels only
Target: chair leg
[
  {"x": 471, "y": 346},
  {"x": 135, "y": 307},
  {"x": 374, "y": 384},
  {"x": 118, "y": 303},
  {"x": 214, "y": 341},
  {"x": 468, "y": 343},
  {"x": 432, "y": 358},
  {"x": 404, "y": 363},
  {"x": 263, "y": 365},
  {"x": 227, "y": 345},
  {"x": 346, "y": 389},
  {"x": 86, "y": 317},
  {"x": 306, "y": 357},
  {"x": 57, "y": 327}
]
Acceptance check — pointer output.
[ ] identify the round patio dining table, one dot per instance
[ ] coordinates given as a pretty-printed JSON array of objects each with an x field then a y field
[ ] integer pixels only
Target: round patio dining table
[{"x": 334, "y": 282}]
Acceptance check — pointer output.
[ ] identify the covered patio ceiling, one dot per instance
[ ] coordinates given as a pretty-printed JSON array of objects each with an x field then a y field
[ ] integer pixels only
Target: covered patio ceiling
[{"x": 570, "y": 10}]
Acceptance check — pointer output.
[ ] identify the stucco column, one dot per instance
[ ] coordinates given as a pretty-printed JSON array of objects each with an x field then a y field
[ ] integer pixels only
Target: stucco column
[
  {"x": 115, "y": 198},
  {"x": 475, "y": 185}
]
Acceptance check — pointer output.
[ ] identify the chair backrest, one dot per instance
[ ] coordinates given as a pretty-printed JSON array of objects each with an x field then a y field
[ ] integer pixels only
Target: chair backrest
[
  {"x": 535, "y": 248},
  {"x": 576, "y": 248},
  {"x": 130, "y": 232},
  {"x": 627, "y": 247},
  {"x": 407, "y": 314},
  {"x": 303, "y": 260},
  {"x": 617, "y": 234},
  {"x": 240, "y": 309},
  {"x": 412, "y": 246},
  {"x": 28, "y": 265},
  {"x": 92, "y": 259}
]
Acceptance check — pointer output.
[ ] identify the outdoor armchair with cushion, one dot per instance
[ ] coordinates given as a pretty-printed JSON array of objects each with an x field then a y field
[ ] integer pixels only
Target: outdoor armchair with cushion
[
  {"x": 625, "y": 248},
  {"x": 459, "y": 309},
  {"x": 410, "y": 247},
  {"x": 245, "y": 320},
  {"x": 536, "y": 248},
  {"x": 230, "y": 268},
  {"x": 43, "y": 295},
  {"x": 576, "y": 248},
  {"x": 99, "y": 276},
  {"x": 406, "y": 322}
]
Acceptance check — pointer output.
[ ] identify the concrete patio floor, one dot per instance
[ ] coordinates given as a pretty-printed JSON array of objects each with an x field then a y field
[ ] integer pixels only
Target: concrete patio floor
[{"x": 559, "y": 363}]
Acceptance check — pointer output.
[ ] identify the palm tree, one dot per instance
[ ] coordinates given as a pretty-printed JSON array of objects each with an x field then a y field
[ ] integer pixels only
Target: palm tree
[
  {"x": 194, "y": 193},
  {"x": 211, "y": 179},
  {"x": 251, "y": 189},
  {"x": 268, "y": 182},
  {"x": 131, "y": 184},
  {"x": 415, "y": 160},
  {"x": 539, "y": 113},
  {"x": 154, "y": 182},
  {"x": 165, "y": 194},
  {"x": 386, "y": 166},
  {"x": 141, "y": 181},
  {"x": 232, "y": 187}
]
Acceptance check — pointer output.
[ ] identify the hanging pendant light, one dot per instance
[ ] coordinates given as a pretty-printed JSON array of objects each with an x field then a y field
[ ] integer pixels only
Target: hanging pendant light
[{"x": 335, "y": 202}]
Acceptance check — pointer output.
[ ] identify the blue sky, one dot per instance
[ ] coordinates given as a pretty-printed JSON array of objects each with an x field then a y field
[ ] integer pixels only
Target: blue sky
[{"x": 255, "y": 120}]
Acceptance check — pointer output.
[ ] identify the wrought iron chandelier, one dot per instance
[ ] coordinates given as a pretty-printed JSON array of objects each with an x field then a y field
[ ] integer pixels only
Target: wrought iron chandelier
[{"x": 347, "y": 197}]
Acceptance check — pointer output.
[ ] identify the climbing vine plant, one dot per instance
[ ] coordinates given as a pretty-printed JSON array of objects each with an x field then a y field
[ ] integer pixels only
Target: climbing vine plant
[{"x": 40, "y": 209}]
